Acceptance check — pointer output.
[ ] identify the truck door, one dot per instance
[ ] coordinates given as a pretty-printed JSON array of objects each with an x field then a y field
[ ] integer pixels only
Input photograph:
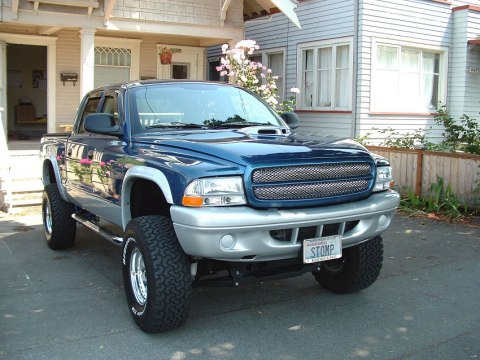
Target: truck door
[
  {"x": 102, "y": 167},
  {"x": 79, "y": 176}
]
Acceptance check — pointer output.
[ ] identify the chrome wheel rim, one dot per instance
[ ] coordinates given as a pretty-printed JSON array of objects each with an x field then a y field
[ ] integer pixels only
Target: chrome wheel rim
[
  {"x": 47, "y": 211},
  {"x": 138, "y": 277}
]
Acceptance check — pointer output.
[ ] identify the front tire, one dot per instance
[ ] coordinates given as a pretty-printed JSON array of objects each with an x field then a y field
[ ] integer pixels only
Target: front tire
[
  {"x": 156, "y": 274},
  {"x": 356, "y": 270},
  {"x": 60, "y": 229}
]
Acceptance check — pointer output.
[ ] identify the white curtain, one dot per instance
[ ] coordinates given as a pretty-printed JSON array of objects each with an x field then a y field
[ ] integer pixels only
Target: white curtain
[
  {"x": 342, "y": 89},
  {"x": 307, "y": 86},
  {"x": 386, "y": 77},
  {"x": 105, "y": 75},
  {"x": 406, "y": 79},
  {"x": 410, "y": 84},
  {"x": 431, "y": 62},
  {"x": 275, "y": 62},
  {"x": 324, "y": 77}
]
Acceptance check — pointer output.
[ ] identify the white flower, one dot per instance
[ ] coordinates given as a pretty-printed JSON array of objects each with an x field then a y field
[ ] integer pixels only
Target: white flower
[
  {"x": 224, "y": 48},
  {"x": 243, "y": 78},
  {"x": 272, "y": 100},
  {"x": 295, "y": 90},
  {"x": 246, "y": 44}
]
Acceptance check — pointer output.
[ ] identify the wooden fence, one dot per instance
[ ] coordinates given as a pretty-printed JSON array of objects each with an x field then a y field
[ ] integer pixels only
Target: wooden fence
[{"x": 416, "y": 170}]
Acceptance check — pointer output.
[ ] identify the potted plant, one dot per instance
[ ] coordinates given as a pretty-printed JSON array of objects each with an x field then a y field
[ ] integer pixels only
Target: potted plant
[{"x": 165, "y": 55}]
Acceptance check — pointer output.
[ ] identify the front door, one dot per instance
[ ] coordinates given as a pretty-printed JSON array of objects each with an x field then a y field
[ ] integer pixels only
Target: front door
[{"x": 187, "y": 63}]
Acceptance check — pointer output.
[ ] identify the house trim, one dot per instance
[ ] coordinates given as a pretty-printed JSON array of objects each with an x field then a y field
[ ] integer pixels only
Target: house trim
[
  {"x": 51, "y": 44},
  {"x": 341, "y": 41},
  {"x": 400, "y": 113},
  {"x": 443, "y": 71},
  {"x": 467, "y": 7},
  {"x": 323, "y": 111},
  {"x": 207, "y": 35},
  {"x": 132, "y": 44}
]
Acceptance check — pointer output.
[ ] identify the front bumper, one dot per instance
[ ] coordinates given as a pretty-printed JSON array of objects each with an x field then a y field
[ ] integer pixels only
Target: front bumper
[{"x": 244, "y": 234}]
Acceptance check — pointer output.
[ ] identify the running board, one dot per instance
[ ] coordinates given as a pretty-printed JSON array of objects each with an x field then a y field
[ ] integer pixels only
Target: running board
[{"x": 105, "y": 233}]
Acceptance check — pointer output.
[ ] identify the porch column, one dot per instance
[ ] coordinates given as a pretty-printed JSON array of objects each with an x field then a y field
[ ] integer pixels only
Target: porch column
[{"x": 87, "y": 58}]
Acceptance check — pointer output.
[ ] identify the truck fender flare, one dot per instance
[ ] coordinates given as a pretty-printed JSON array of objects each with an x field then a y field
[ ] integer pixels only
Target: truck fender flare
[
  {"x": 56, "y": 170},
  {"x": 147, "y": 173}
]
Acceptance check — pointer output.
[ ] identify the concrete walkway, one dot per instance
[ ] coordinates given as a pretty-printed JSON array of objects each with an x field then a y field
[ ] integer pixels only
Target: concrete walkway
[{"x": 70, "y": 305}]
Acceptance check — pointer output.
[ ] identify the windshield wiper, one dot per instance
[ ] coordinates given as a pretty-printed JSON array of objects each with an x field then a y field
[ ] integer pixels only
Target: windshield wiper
[
  {"x": 243, "y": 124},
  {"x": 177, "y": 125}
]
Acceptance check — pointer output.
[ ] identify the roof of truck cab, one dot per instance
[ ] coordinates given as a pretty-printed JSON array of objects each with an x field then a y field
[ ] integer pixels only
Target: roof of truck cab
[{"x": 138, "y": 83}]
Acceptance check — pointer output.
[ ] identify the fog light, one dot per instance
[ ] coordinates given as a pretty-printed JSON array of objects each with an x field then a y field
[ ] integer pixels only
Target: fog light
[
  {"x": 383, "y": 222},
  {"x": 228, "y": 242}
]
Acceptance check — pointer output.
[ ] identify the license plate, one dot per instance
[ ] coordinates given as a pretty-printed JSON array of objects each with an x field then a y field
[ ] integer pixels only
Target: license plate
[{"x": 322, "y": 249}]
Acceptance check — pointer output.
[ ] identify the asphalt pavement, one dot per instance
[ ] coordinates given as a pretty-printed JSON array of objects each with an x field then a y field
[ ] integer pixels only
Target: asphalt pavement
[{"x": 70, "y": 304}]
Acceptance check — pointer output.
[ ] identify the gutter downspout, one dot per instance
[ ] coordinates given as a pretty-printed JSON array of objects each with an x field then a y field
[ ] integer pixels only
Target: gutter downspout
[{"x": 355, "y": 66}]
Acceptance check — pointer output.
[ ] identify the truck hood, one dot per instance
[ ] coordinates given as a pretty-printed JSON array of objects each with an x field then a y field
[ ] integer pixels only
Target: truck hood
[{"x": 254, "y": 149}]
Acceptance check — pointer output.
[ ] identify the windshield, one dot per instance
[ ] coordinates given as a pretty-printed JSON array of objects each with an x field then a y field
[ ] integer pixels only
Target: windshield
[{"x": 197, "y": 105}]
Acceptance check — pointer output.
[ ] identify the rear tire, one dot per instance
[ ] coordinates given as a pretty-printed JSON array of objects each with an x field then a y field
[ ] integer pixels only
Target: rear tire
[
  {"x": 60, "y": 229},
  {"x": 356, "y": 270},
  {"x": 156, "y": 274}
]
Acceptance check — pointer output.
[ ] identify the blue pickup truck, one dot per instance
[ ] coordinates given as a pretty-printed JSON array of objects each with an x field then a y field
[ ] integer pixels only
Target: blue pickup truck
[{"x": 202, "y": 184}]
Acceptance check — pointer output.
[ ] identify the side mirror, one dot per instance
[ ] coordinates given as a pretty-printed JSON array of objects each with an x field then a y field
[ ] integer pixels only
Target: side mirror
[
  {"x": 291, "y": 119},
  {"x": 101, "y": 123}
]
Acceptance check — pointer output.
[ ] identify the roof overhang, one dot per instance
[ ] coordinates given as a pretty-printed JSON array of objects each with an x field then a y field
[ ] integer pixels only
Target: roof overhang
[{"x": 256, "y": 8}]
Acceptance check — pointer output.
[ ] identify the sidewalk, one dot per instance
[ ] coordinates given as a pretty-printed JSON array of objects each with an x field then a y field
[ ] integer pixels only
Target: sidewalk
[{"x": 70, "y": 304}]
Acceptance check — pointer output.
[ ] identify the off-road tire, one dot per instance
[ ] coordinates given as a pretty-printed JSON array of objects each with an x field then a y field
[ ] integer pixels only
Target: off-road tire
[
  {"x": 58, "y": 225},
  {"x": 159, "y": 300},
  {"x": 356, "y": 270}
]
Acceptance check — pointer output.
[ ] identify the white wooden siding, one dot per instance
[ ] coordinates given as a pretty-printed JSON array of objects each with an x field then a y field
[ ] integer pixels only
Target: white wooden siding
[
  {"x": 422, "y": 23},
  {"x": 472, "y": 82},
  {"x": 320, "y": 20},
  {"x": 68, "y": 61},
  {"x": 205, "y": 12}
]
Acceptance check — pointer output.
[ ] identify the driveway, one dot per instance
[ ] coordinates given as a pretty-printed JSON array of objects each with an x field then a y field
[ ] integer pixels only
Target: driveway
[{"x": 70, "y": 304}]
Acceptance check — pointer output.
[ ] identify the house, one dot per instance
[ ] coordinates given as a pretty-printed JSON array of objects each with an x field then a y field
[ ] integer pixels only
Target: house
[
  {"x": 52, "y": 52},
  {"x": 365, "y": 64}
]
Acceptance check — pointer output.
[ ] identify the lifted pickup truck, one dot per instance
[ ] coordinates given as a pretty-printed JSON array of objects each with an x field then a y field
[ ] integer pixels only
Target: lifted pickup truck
[{"x": 203, "y": 184}]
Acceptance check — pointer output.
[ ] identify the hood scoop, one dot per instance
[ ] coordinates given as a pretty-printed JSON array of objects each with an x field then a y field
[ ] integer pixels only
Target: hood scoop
[{"x": 265, "y": 130}]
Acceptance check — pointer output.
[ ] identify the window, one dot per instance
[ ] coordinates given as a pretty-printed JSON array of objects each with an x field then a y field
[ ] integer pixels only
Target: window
[
  {"x": 274, "y": 59},
  {"x": 180, "y": 71},
  {"x": 112, "y": 65},
  {"x": 110, "y": 107},
  {"x": 406, "y": 79},
  {"x": 90, "y": 108},
  {"x": 326, "y": 75}
]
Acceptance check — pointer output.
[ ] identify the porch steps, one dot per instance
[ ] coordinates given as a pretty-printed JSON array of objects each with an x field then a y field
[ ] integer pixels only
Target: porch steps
[{"x": 20, "y": 182}]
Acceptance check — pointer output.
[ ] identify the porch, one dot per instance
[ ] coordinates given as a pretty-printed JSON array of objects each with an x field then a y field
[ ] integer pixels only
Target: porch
[{"x": 20, "y": 175}]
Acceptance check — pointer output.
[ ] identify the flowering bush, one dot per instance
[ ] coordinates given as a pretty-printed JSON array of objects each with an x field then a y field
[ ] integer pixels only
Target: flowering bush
[{"x": 253, "y": 75}]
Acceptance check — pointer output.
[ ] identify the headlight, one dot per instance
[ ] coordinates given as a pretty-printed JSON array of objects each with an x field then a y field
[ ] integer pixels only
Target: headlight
[
  {"x": 384, "y": 179},
  {"x": 221, "y": 191}
]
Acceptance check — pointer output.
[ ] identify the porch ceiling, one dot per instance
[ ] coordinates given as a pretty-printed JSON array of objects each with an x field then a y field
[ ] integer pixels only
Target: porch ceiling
[
  {"x": 256, "y": 8},
  {"x": 186, "y": 40}
]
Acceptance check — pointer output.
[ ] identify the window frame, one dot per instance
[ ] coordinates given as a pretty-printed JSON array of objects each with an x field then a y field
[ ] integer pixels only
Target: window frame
[
  {"x": 264, "y": 54},
  {"x": 403, "y": 108},
  {"x": 316, "y": 46},
  {"x": 121, "y": 43}
]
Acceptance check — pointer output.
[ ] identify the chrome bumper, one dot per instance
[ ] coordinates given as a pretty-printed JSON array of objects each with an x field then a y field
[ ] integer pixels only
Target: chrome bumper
[{"x": 243, "y": 233}]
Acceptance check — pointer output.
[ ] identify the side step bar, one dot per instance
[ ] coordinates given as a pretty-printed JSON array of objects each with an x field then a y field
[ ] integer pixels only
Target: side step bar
[{"x": 105, "y": 233}]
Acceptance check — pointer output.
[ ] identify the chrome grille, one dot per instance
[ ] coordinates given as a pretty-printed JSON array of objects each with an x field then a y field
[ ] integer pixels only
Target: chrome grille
[
  {"x": 310, "y": 190},
  {"x": 311, "y": 172}
]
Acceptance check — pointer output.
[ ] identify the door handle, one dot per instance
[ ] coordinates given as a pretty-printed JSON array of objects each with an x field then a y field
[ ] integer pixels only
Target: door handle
[{"x": 90, "y": 155}]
